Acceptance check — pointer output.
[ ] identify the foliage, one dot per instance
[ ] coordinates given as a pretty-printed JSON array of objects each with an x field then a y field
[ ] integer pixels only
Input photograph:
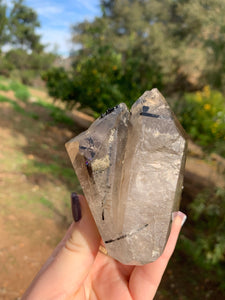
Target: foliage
[
  {"x": 202, "y": 114},
  {"x": 58, "y": 114},
  {"x": 5, "y": 66},
  {"x": 97, "y": 80},
  {"x": 207, "y": 212},
  {"x": 59, "y": 84},
  {"x": 136, "y": 45},
  {"x": 19, "y": 58},
  {"x": 18, "y": 32},
  {"x": 22, "y": 60},
  {"x": 28, "y": 64},
  {"x": 23, "y": 22},
  {"x": 3, "y": 25},
  {"x": 176, "y": 45},
  {"x": 93, "y": 83}
]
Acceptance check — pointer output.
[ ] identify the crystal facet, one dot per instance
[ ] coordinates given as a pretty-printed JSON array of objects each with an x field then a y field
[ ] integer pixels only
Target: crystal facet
[{"x": 130, "y": 165}]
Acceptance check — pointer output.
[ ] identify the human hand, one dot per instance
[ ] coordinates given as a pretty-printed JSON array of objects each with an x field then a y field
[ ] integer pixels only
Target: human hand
[{"x": 78, "y": 270}]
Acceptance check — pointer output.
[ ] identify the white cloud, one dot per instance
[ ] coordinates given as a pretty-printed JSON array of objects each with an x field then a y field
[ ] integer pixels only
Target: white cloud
[
  {"x": 46, "y": 9},
  {"x": 89, "y": 5}
]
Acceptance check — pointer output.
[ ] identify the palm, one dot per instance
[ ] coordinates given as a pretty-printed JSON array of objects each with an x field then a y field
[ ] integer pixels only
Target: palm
[{"x": 108, "y": 279}]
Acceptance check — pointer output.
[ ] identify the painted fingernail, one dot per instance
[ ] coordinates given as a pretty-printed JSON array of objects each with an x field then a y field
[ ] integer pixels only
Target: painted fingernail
[
  {"x": 76, "y": 209},
  {"x": 182, "y": 215}
]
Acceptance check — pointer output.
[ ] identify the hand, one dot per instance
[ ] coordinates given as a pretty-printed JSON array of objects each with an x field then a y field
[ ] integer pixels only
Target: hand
[{"x": 77, "y": 270}]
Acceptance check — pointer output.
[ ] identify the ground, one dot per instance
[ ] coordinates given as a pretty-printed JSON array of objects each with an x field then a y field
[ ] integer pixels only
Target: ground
[{"x": 36, "y": 179}]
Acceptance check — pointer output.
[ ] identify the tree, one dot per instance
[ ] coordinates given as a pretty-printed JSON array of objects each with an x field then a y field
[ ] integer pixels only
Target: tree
[
  {"x": 3, "y": 24},
  {"x": 23, "y": 22},
  {"x": 123, "y": 30},
  {"x": 174, "y": 45}
]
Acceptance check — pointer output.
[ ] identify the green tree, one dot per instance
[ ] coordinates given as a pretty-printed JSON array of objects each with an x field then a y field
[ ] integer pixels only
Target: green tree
[
  {"x": 23, "y": 22},
  {"x": 3, "y": 24},
  {"x": 174, "y": 45},
  {"x": 177, "y": 44}
]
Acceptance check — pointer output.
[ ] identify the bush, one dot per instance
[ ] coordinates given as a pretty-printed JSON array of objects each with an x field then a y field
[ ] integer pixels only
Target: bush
[
  {"x": 26, "y": 66},
  {"x": 202, "y": 114},
  {"x": 208, "y": 213},
  {"x": 59, "y": 84},
  {"x": 18, "y": 58},
  {"x": 5, "y": 66},
  {"x": 94, "y": 82},
  {"x": 206, "y": 244}
]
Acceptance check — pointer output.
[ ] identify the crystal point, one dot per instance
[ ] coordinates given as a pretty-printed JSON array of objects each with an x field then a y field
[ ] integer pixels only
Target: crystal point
[{"x": 130, "y": 165}]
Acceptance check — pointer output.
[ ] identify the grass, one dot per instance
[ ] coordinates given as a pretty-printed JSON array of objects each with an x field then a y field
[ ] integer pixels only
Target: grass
[
  {"x": 53, "y": 169},
  {"x": 46, "y": 202},
  {"x": 21, "y": 91},
  {"x": 15, "y": 105},
  {"x": 18, "y": 108},
  {"x": 36, "y": 203},
  {"x": 58, "y": 114},
  {"x": 4, "y": 87}
]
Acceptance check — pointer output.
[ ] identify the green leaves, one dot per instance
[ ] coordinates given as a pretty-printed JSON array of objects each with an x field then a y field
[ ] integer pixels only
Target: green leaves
[
  {"x": 3, "y": 25},
  {"x": 208, "y": 212},
  {"x": 23, "y": 22},
  {"x": 202, "y": 114}
]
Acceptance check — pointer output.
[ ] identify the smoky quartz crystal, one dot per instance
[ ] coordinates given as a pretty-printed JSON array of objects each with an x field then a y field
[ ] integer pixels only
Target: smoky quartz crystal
[{"x": 130, "y": 165}]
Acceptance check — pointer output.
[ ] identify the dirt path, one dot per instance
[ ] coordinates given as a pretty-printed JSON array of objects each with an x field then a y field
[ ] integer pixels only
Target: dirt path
[
  {"x": 23, "y": 250},
  {"x": 34, "y": 194}
]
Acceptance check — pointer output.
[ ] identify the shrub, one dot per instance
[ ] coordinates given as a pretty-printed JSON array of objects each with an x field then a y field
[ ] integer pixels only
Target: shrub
[
  {"x": 27, "y": 76},
  {"x": 206, "y": 244},
  {"x": 208, "y": 214},
  {"x": 202, "y": 114},
  {"x": 5, "y": 66},
  {"x": 93, "y": 83},
  {"x": 59, "y": 84}
]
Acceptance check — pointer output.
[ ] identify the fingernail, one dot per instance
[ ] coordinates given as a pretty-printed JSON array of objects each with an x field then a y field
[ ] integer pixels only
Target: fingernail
[
  {"x": 76, "y": 209},
  {"x": 182, "y": 215}
]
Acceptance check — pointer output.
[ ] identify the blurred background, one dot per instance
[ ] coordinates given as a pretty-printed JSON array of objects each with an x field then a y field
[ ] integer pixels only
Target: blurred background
[{"x": 63, "y": 64}]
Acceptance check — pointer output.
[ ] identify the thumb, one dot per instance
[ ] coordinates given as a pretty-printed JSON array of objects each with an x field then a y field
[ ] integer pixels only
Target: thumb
[{"x": 70, "y": 263}]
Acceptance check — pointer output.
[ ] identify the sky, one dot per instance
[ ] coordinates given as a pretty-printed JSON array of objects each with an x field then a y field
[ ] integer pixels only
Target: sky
[{"x": 56, "y": 18}]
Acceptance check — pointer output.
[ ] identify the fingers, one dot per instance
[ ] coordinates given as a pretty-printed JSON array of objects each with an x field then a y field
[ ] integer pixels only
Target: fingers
[
  {"x": 145, "y": 280},
  {"x": 178, "y": 221},
  {"x": 71, "y": 261}
]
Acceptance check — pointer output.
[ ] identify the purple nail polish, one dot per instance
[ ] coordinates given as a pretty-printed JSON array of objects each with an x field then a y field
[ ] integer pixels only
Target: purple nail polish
[{"x": 76, "y": 209}]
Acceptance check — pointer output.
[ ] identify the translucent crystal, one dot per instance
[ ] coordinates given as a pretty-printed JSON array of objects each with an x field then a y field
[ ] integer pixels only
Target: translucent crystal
[{"x": 130, "y": 166}]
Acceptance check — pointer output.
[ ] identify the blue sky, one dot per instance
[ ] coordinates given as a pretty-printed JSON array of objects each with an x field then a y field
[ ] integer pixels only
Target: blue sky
[{"x": 57, "y": 16}]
